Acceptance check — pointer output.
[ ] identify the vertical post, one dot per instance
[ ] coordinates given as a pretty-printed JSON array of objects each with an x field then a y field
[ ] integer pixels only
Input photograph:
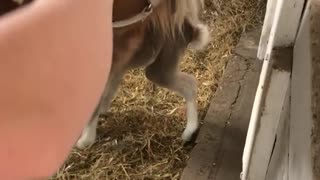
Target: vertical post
[{"x": 289, "y": 23}]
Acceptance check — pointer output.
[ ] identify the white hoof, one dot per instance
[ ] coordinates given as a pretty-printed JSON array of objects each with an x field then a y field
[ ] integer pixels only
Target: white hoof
[
  {"x": 87, "y": 138},
  {"x": 186, "y": 136},
  {"x": 188, "y": 133},
  {"x": 192, "y": 122}
]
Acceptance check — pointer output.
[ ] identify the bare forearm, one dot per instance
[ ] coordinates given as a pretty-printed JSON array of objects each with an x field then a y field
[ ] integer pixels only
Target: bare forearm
[{"x": 55, "y": 59}]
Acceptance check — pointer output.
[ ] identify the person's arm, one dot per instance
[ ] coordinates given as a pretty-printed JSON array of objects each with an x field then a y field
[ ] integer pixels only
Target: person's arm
[{"x": 54, "y": 62}]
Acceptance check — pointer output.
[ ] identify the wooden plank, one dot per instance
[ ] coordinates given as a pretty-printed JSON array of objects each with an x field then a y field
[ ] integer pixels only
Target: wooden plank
[
  {"x": 260, "y": 95},
  {"x": 272, "y": 108},
  {"x": 218, "y": 152},
  {"x": 289, "y": 23},
  {"x": 266, "y": 29},
  {"x": 278, "y": 168},
  {"x": 269, "y": 40},
  {"x": 304, "y": 161},
  {"x": 204, "y": 156},
  {"x": 230, "y": 165},
  {"x": 315, "y": 105},
  {"x": 289, "y": 20}
]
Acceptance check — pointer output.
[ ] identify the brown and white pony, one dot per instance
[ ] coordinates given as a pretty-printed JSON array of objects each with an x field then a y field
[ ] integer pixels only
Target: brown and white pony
[
  {"x": 156, "y": 41},
  {"x": 151, "y": 34}
]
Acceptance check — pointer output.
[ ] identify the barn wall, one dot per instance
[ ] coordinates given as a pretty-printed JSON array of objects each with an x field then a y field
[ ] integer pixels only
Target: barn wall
[
  {"x": 272, "y": 114},
  {"x": 296, "y": 151},
  {"x": 273, "y": 85},
  {"x": 315, "y": 53},
  {"x": 304, "y": 129}
]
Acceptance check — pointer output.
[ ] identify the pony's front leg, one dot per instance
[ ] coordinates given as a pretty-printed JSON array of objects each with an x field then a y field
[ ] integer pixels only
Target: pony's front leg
[{"x": 89, "y": 133}]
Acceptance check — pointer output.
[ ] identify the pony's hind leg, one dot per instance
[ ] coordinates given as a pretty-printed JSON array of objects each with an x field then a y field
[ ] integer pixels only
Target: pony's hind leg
[
  {"x": 164, "y": 72},
  {"x": 185, "y": 85}
]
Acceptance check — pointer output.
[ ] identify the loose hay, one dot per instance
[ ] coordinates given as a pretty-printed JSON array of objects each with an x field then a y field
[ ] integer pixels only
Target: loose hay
[{"x": 141, "y": 137}]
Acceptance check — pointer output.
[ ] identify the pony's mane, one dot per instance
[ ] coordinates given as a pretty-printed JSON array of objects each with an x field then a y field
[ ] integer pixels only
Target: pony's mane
[{"x": 169, "y": 16}]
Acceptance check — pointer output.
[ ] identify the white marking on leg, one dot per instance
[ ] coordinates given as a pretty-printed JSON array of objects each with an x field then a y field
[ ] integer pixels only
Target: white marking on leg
[
  {"x": 203, "y": 38},
  {"x": 192, "y": 121},
  {"x": 88, "y": 135}
]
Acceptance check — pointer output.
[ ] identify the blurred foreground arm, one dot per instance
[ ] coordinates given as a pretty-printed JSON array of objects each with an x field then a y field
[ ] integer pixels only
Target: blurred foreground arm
[{"x": 54, "y": 61}]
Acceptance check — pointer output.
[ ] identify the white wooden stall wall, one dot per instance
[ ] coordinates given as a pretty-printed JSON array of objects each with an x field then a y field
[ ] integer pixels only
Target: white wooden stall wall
[
  {"x": 304, "y": 141},
  {"x": 269, "y": 113},
  {"x": 285, "y": 13},
  {"x": 300, "y": 163}
]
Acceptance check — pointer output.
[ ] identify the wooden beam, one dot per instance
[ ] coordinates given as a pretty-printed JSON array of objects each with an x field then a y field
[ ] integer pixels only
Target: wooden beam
[
  {"x": 275, "y": 33},
  {"x": 289, "y": 20},
  {"x": 271, "y": 113},
  {"x": 304, "y": 159},
  {"x": 278, "y": 167}
]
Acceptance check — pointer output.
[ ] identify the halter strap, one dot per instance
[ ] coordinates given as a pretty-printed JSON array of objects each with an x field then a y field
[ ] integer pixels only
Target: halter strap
[
  {"x": 18, "y": 1},
  {"x": 139, "y": 17}
]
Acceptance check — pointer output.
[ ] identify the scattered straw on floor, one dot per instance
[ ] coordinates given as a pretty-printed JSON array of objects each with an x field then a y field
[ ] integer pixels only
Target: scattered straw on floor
[{"x": 141, "y": 137}]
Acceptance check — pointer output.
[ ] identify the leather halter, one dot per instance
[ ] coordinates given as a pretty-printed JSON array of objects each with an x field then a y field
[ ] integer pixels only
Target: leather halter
[
  {"x": 136, "y": 18},
  {"x": 19, "y": 2}
]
